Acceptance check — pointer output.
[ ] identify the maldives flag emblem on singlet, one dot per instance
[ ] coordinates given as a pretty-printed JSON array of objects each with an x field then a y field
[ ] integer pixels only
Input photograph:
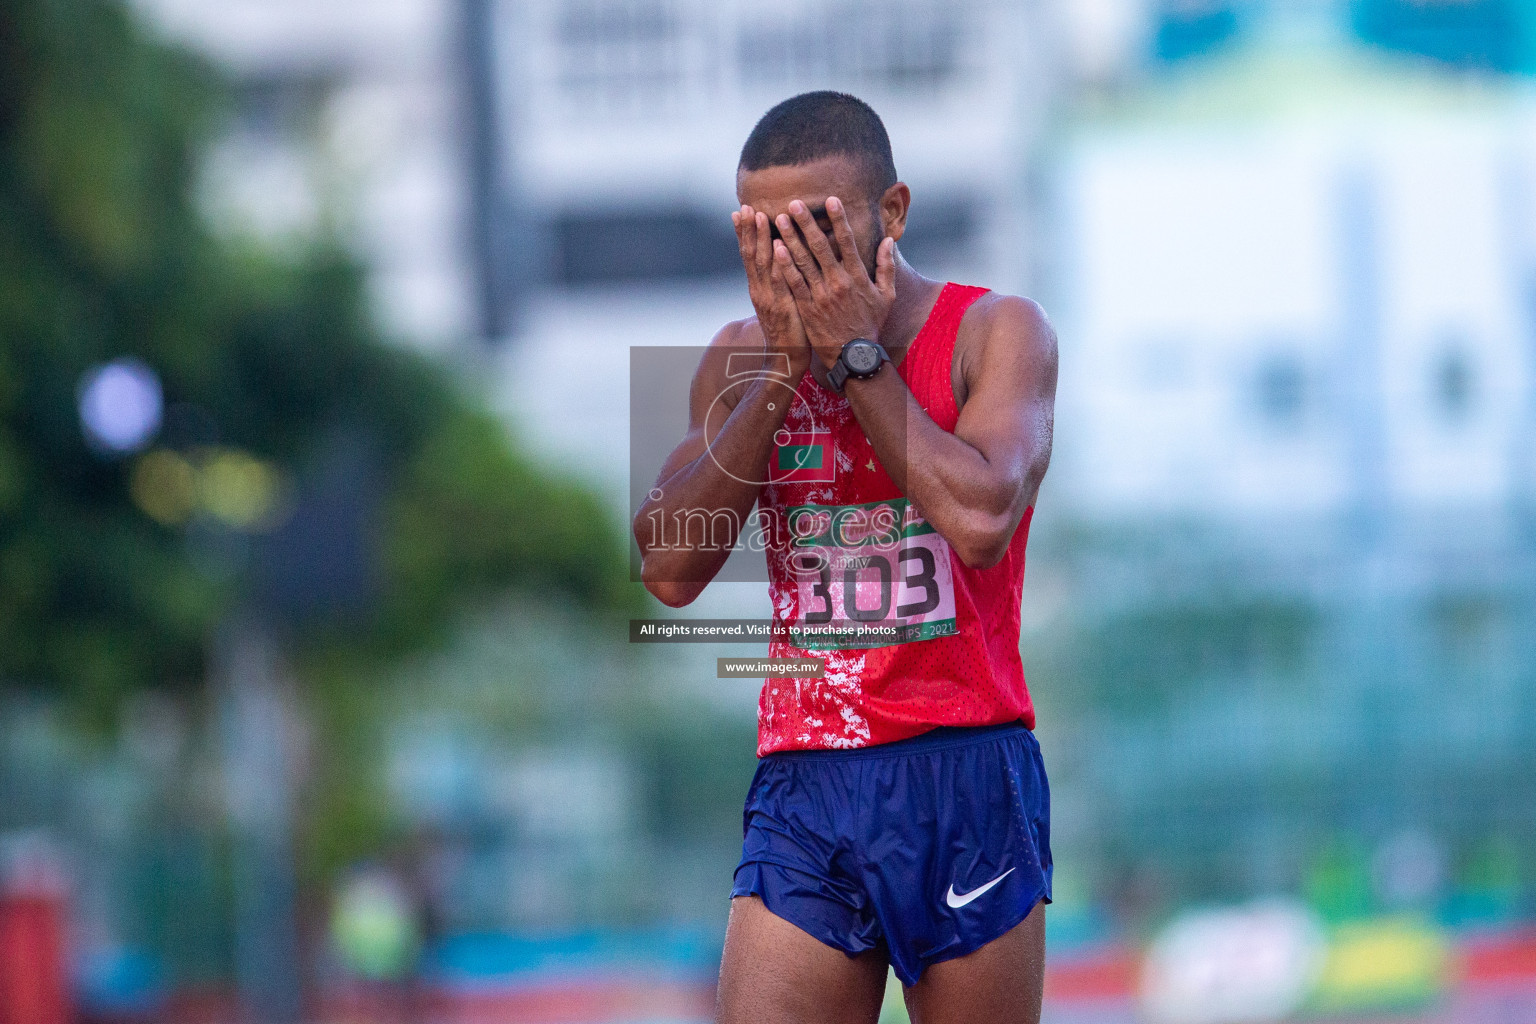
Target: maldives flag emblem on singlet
[{"x": 802, "y": 457}]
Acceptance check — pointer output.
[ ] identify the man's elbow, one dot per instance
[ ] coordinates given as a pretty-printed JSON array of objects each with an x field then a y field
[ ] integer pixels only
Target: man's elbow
[
  {"x": 671, "y": 593},
  {"x": 981, "y": 555},
  {"x": 984, "y": 541}
]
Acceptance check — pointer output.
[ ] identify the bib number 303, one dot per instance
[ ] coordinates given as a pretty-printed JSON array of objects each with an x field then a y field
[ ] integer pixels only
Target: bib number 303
[{"x": 868, "y": 576}]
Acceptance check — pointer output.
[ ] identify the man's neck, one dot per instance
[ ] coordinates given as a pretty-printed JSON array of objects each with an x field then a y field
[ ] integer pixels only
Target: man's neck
[{"x": 915, "y": 295}]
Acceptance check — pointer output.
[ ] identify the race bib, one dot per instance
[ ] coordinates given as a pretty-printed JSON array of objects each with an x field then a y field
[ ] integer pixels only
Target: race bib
[{"x": 868, "y": 576}]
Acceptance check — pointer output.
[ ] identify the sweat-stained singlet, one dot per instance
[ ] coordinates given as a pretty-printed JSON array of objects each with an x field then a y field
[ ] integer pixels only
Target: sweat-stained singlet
[{"x": 911, "y": 637}]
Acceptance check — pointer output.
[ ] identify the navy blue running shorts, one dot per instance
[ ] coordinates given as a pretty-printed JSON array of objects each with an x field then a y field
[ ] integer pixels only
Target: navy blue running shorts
[{"x": 928, "y": 848}]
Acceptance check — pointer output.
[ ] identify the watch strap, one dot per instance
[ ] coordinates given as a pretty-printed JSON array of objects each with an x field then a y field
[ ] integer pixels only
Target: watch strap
[{"x": 837, "y": 373}]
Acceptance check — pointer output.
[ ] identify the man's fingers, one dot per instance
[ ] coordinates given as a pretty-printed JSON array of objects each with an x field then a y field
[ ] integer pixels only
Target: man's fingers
[
  {"x": 781, "y": 289},
  {"x": 776, "y": 274},
  {"x": 790, "y": 271},
  {"x": 763, "y": 240},
  {"x": 790, "y": 239},
  {"x": 739, "y": 224},
  {"x": 843, "y": 231},
  {"x": 815, "y": 238},
  {"x": 746, "y": 240}
]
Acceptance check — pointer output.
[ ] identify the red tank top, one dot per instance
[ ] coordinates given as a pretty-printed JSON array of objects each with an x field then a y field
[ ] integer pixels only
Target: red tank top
[{"x": 911, "y": 638}]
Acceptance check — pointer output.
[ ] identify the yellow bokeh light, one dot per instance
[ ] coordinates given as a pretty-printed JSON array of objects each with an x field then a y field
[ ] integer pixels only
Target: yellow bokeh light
[
  {"x": 164, "y": 486},
  {"x": 239, "y": 490}
]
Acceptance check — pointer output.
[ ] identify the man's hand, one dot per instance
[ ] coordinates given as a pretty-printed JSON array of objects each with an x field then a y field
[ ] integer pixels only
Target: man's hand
[
  {"x": 771, "y": 298},
  {"x": 833, "y": 293}
]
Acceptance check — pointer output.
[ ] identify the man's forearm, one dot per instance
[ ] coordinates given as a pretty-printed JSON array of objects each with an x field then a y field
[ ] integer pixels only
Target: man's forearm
[
  {"x": 714, "y": 493},
  {"x": 970, "y": 502}
]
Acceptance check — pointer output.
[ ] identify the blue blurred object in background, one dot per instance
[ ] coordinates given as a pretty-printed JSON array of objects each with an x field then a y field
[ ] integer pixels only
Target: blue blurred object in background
[{"x": 126, "y": 985}]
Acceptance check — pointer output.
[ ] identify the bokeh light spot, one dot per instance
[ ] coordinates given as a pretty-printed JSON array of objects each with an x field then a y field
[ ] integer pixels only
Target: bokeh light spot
[
  {"x": 239, "y": 490},
  {"x": 120, "y": 405},
  {"x": 164, "y": 487}
]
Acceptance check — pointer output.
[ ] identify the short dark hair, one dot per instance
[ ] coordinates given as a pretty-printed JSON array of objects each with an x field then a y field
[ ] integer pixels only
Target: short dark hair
[{"x": 820, "y": 124}]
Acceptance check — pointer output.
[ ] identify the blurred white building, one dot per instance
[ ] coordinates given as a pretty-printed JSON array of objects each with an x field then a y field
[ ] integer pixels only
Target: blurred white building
[
  {"x": 1298, "y": 287},
  {"x": 1294, "y": 478}
]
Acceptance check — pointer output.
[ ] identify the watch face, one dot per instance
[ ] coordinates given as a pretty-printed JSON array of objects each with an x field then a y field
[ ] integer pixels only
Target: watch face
[{"x": 862, "y": 357}]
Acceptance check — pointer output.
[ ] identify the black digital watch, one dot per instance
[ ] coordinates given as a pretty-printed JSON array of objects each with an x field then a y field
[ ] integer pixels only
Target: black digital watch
[{"x": 859, "y": 359}]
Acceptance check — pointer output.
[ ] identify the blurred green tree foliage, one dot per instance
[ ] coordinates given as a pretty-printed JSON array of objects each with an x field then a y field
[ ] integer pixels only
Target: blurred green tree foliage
[{"x": 103, "y": 254}]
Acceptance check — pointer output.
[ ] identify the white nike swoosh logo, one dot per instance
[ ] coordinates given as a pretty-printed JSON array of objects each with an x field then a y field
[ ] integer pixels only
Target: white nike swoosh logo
[{"x": 956, "y": 901}]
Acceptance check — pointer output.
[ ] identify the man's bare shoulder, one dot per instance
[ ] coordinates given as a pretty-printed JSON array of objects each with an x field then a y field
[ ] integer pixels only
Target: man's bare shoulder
[
  {"x": 1005, "y": 337},
  {"x": 735, "y": 346},
  {"x": 1013, "y": 319},
  {"x": 736, "y": 350},
  {"x": 733, "y": 338},
  {"x": 743, "y": 333}
]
